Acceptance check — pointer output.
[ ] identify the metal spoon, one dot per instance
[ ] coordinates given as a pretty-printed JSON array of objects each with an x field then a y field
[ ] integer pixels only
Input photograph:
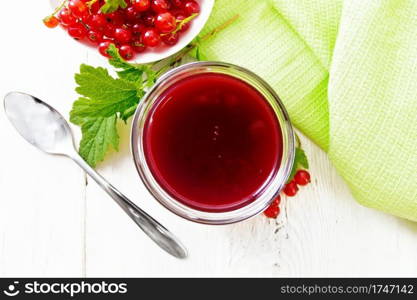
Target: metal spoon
[{"x": 43, "y": 127}]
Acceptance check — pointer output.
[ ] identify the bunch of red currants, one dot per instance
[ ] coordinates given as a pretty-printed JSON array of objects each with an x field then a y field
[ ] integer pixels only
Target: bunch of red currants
[
  {"x": 141, "y": 25},
  {"x": 301, "y": 178}
]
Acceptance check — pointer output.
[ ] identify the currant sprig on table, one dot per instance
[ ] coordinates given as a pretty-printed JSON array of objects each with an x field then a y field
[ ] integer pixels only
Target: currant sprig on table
[{"x": 299, "y": 176}]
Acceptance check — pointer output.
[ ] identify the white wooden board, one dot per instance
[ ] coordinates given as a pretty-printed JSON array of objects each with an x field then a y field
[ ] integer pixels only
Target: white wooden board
[{"x": 52, "y": 223}]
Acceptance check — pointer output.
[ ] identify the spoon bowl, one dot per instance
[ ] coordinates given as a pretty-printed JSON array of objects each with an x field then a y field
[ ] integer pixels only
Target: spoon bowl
[{"x": 38, "y": 123}]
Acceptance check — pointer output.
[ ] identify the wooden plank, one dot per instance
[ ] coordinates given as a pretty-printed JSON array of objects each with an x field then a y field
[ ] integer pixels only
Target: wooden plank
[{"x": 41, "y": 197}]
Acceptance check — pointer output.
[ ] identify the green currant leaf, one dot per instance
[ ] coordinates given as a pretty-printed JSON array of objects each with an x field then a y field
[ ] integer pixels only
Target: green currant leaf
[
  {"x": 300, "y": 161},
  {"x": 113, "y": 5},
  {"x": 99, "y": 135}
]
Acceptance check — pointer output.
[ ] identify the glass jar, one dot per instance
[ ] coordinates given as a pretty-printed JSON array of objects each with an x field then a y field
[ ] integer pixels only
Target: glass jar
[{"x": 275, "y": 184}]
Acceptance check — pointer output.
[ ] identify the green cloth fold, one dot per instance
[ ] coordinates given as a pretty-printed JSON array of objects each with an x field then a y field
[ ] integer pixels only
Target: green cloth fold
[{"x": 347, "y": 73}]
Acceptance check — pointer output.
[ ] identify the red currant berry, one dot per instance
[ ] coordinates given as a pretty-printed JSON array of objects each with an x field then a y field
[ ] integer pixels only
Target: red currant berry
[
  {"x": 149, "y": 19},
  {"x": 138, "y": 45},
  {"x": 272, "y": 211},
  {"x": 95, "y": 8},
  {"x": 165, "y": 22},
  {"x": 115, "y": 18},
  {"x": 302, "y": 177},
  {"x": 97, "y": 22},
  {"x": 137, "y": 29},
  {"x": 77, "y": 31},
  {"x": 131, "y": 14},
  {"x": 191, "y": 7},
  {"x": 141, "y": 5},
  {"x": 66, "y": 17},
  {"x": 95, "y": 37},
  {"x": 109, "y": 30},
  {"x": 176, "y": 11},
  {"x": 151, "y": 38},
  {"x": 126, "y": 52},
  {"x": 102, "y": 48},
  {"x": 78, "y": 8},
  {"x": 291, "y": 189},
  {"x": 51, "y": 22},
  {"x": 160, "y": 6},
  {"x": 122, "y": 35},
  {"x": 177, "y": 3},
  {"x": 277, "y": 200},
  {"x": 170, "y": 39},
  {"x": 184, "y": 26}
]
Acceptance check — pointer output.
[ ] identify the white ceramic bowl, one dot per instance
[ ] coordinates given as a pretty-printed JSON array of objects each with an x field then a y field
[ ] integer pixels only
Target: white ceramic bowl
[{"x": 158, "y": 53}]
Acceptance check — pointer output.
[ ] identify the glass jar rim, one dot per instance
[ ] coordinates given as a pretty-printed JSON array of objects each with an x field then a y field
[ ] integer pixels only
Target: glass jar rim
[{"x": 276, "y": 183}]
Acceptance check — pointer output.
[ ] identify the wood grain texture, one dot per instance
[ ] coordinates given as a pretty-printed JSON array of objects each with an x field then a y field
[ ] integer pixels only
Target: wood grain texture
[
  {"x": 41, "y": 197},
  {"x": 55, "y": 223}
]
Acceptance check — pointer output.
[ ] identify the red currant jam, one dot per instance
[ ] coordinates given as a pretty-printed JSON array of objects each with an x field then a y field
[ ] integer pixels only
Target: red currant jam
[{"x": 212, "y": 142}]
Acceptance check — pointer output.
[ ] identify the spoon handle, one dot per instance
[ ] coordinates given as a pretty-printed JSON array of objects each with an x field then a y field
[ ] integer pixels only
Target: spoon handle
[{"x": 158, "y": 233}]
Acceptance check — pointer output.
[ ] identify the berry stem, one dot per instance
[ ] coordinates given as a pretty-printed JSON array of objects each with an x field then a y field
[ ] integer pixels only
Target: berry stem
[
  {"x": 59, "y": 7},
  {"x": 207, "y": 36},
  {"x": 183, "y": 22},
  {"x": 219, "y": 28},
  {"x": 91, "y": 3},
  {"x": 163, "y": 70}
]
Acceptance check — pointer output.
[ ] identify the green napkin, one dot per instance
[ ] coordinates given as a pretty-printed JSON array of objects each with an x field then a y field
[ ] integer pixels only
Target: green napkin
[{"x": 347, "y": 73}]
